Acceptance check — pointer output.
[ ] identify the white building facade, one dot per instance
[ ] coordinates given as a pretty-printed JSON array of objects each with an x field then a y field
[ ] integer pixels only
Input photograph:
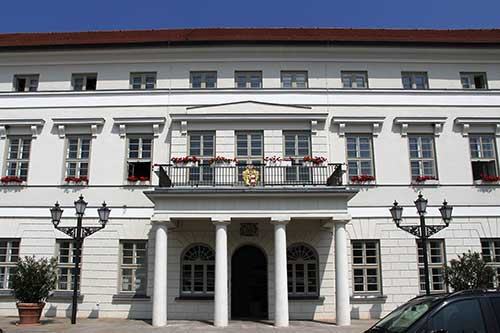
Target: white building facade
[{"x": 162, "y": 125}]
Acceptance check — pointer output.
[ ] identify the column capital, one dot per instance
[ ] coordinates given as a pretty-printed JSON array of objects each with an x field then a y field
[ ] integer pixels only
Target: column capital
[
  {"x": 341, "y": 218},
  {"x": 280, "y": 220},
  {"x": 221, "y": 220},
  {"x": 160, "y": 219}
]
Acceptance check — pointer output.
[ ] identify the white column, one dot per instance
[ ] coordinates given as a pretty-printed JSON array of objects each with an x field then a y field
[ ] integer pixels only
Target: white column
[
  {"x": 221, "y": 286},
  {"x": 280, "y": 275},
  {"x": 160, "y": 277},
  {"x": 342, "y": 304}
]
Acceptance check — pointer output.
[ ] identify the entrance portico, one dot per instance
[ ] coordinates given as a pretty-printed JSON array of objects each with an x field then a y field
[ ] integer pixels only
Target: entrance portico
[{"x": 276, "y": 208}]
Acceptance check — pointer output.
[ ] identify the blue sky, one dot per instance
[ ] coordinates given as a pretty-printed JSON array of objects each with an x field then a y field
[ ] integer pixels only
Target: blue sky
[{"x": 75, "y": 15}]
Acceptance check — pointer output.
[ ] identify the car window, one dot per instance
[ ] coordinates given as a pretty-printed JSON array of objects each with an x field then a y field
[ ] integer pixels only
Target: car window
[
  {"x": 495, "y": 302},
  {"x": 403, "y": 317},
  {"x": 459, "y": 317}
]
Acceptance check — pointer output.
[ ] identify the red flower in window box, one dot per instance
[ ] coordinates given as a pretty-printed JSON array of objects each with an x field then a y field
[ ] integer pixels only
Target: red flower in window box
[
  {"x": 143, "y": 179},
  {"x": 489, "y": 179},
  {"x": 132, "y": 178},
  {"x": 184, "y": 160},
  {"x": 222, "y": 159},
  {"x": 76, "y": 180},
  {"x": 11, "y": 179},
  {"x": 316, "y": 160},
  {"x": 362, "y": 178},
  {"x": 421, "y": 179}
]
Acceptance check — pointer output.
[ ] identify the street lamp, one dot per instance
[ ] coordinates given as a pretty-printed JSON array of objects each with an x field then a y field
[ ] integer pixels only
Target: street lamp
[
  {"x": 422, "y": 231},
  {"x": 78, "y": 233}
]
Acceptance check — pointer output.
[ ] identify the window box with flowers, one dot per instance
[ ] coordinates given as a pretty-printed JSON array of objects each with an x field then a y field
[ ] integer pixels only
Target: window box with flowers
[
  {"x": 428, "y": 180},
  {"x": 224, "y": 161},
  {"x": 488, "y": 179},
  {"x": 313, "y": 160},
  {"x": 141, "y": 180},
  {"x": 77, "y": 181},
  {"x": 278, "y": 161},
  {"x": 12, "y": 181},
  {"x": 362, "y": 179},
  {"x": 186, "y": 161}
]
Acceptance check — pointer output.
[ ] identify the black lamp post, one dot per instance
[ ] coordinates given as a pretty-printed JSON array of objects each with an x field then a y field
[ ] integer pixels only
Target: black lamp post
[
  {"x": 422, "y": 231},
  {"x": 78, "y": 234}
]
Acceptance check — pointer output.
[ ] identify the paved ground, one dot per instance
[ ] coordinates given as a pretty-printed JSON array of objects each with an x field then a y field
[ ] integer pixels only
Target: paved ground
[{"x": 56, "y": 325}]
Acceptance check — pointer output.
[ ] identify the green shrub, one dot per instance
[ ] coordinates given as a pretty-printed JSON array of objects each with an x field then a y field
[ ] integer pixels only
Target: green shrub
[
  {"x": 34, "y": 279},
  {"x": 469, "y": 272}
]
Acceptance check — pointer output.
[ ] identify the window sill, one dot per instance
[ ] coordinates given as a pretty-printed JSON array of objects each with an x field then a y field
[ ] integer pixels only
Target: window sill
[
  {"x": 6, "y": 293},
  {"x": 130, "y": 298},
  {"x": 306, "y": 298},
  {"x": 430, "y": 182},
  {"x": 13, "y": 184},
  {"x": 376, "y": 298},
  {"x": 63, "y": 295},
  {"x": 194, "y": 298},
  {"x": 483, "y": 183}
]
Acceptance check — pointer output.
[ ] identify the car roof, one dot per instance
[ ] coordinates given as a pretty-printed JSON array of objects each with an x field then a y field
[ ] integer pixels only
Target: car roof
[{"x": 462, "y": 293}]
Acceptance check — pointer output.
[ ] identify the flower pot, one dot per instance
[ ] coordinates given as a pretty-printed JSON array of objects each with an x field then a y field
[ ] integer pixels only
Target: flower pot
[{"x": 29, "y": 313}]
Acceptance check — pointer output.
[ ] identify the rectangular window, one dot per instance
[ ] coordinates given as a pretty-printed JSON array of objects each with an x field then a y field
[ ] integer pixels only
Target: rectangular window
[
  {"x": 202, "y": 145},
  {"x": 294, "y": 79},
  {"x": 139, "y": 158},
  {"x": 81, "y": 82},
  {"x": 354, "y": 80},
  {"x": 422, "y": 157},
  {"x": 415, "y": 80},
  {"x": 483, "y": 156},
  {"x": 473, "y": 80},
  {"x": 203, "y": 80},
  {"x": 77, "y": 157},
  {"x": 366, "y": 266},
  {"x": 24, "y": 83},
  {"x": 491, "y": 255},
  {"x": 359, "y": 156},
  {"x": 133, "y": 276},
  {"x": 66, "y": 255},
  {"x": 9, "y": 254},
  {"x": 249, "y": 150},
  {"x": 142, "y": 81},
  {"x": 18, "y": 157},
  {"x": 437, "y": 264},
  {"x": 244, "y": 79},
  {"x": 297, "y": 145}
]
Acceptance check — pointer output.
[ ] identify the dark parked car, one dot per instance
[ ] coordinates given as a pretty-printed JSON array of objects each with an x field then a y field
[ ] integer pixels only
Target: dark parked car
[{"x": 471, "y": 311}]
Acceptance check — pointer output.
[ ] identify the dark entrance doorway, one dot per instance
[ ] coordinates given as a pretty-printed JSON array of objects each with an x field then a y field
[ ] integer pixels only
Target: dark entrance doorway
[{"x": 249, "y": 283}]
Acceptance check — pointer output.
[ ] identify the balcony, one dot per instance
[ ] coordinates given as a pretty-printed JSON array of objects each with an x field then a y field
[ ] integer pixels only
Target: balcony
[{"x": 258, "y": 176}]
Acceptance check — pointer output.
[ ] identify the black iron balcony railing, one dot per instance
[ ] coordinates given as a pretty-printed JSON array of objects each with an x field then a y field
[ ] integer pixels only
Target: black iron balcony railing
[{"x": 171, "y": 175}]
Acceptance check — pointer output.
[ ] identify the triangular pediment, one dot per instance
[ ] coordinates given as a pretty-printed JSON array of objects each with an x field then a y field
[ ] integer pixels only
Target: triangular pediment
[{"x": 251, "y": 110}]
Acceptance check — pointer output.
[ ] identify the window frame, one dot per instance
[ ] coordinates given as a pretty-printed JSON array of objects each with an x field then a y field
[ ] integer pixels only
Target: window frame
[
  {"x": 203, "y": 82},
  {"x": 248, "y": 80},
  {"x": 249, "y": 158},
  {"x": 359, "y": 159},
  {"x": 442, "y": 265},
  {"x": 296, "y": 133},
  {"x": 205, "y": 264},
  {"x": 412, "y": 75},
  {"x": 495, "y": 265},
  {"x": 470, "y": 75},
  {"x": 140, "y": 158},
  {"x": 353, "y": 75},
  {"x": 85, "y": 77},
  {"x": 134, "y": 267},
  {"x": 143, "y": 76},
  {"x": 77, "y": 160},
  {"x": 293, "y": 81},
  {"x": 28, "y": 78},
  {"x": 10, "y": 264},
  {"x": 17, "y": 160},
  {"x": 70, "y": 265},
  {"x": 366, "y": 266},
  {"x": 292, "y": 278},
  {"x": 421, "y": 160},
  {"x": 480, "y": 151}
]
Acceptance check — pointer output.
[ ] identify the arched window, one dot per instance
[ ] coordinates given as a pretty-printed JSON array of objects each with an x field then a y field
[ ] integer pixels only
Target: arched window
[
  {"x": 302, "y": 271},
  {"x": 198, "y": 270}
]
